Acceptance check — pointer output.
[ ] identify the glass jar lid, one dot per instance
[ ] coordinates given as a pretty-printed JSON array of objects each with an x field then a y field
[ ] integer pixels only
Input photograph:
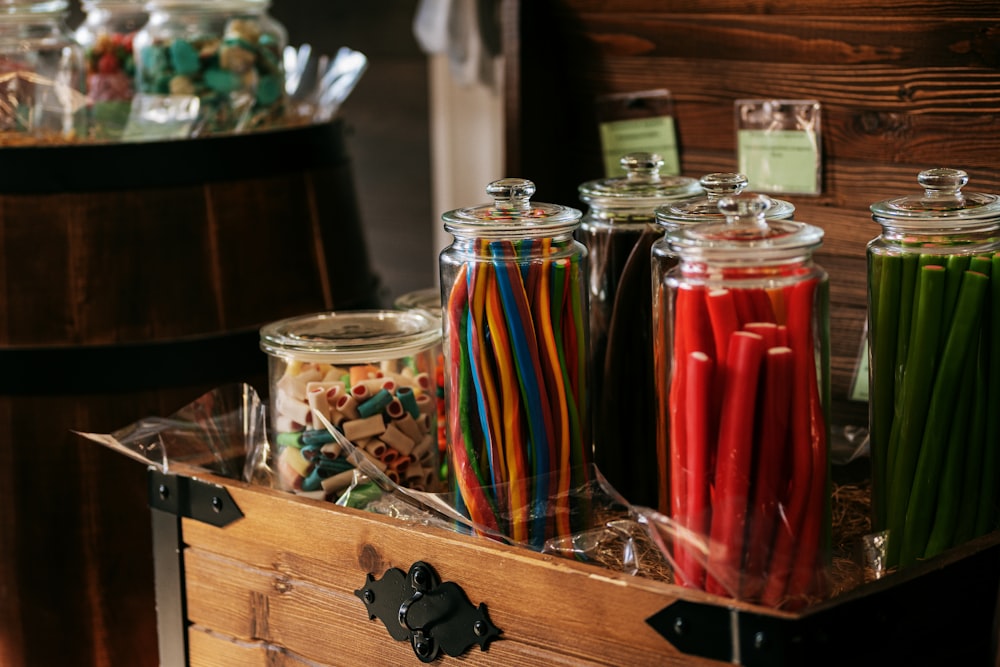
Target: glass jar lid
[
  {"x": 941, "y": 200},
  {"x": 428, "y": 298},
  {"x": 703, "y": 209},
  {"x": 512, "y": 213},
  {"x": 357, "y": 336},
  {"x": 745, "y": 232},
  {"x": 642, "y": 186}
]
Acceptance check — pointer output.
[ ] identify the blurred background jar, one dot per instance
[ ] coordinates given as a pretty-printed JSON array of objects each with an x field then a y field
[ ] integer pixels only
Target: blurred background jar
[
  {"x": 225, "y": 54},
  {"x": 41, "y": 74},
  {"x": 106, "y": 35},
  {"x": 618, "y": 230}
]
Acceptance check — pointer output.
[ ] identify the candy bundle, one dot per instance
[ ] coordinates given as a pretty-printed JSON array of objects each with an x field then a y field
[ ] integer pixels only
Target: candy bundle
[{"x": 388, "y": 415}]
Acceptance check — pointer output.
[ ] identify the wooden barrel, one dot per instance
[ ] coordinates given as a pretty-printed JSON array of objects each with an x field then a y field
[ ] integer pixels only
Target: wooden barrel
[{"x": 133, "y": 278}]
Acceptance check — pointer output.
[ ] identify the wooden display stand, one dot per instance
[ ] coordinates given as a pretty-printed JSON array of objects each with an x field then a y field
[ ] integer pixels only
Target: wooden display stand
[{"x": 247, "y": 575}]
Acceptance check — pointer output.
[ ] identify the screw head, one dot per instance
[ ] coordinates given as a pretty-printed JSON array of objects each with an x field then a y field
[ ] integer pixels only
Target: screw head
[
  {"x": 679, "y": 625},
  {"x": 420, "y": 577},
  {"x": 216, "y": 504},
  {"x": 479, "y": 628},
  {"x": 164, "y": 491},
  {"x": 369, "y": 595},
  {"x": 422, "y": 648}
]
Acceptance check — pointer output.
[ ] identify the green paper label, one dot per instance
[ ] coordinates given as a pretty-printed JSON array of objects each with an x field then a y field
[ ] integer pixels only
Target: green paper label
[
  {"x": 652, "y": 135},
  {"x": 779, "y": 160}
]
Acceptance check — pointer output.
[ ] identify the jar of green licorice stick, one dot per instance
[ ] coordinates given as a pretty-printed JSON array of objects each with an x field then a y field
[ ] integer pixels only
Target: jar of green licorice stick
[
  {"x": 934, "y": 366},
  {"x": 742, "y": 372},
  {"x": 618, "y": 230},
  {"x": 516, "y": 369}
]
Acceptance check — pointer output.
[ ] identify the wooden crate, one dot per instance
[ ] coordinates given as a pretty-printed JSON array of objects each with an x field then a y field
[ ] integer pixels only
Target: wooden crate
[{"x": 251, "y": 576}]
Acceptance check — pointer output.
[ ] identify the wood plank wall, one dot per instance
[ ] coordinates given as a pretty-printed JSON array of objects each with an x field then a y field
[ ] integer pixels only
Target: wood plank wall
[{"x": 904, "y": 85}]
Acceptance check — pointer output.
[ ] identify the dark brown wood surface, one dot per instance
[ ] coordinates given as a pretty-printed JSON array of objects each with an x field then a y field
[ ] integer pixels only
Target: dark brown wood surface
[
  {"x": 125, "y": 277},
  {"x": 904, "y": 86}
]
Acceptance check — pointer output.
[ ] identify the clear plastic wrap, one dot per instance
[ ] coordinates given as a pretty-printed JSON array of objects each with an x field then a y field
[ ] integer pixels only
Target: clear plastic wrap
[{"x": 224, "y": 432}]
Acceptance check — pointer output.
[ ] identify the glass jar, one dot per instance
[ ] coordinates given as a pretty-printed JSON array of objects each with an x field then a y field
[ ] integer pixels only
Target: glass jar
[
  {"x": 742, "y": 365},
  {"x": 618, "y": 230},
  {"x": 228, "y": 54},
  {"x": 934, "y": 364},
  {"x": 672, "y": 216},
  {"x": 515, "y": 338},
  {"x": 106, "y": 35},
  {"x": 429, "y": 299},
  {"x": 367, "y": 373},
  {"x": 42, "y": 82}
]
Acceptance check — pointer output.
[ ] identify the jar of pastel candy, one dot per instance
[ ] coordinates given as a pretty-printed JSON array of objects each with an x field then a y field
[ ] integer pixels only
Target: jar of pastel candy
[
  {"x": 225, "y": 54},
  {"x": 429, "y": 299},
  {"x": 366, "y": 374},
  {"x": 41, "y": 74},
  {"x": 106, "y": 36}
]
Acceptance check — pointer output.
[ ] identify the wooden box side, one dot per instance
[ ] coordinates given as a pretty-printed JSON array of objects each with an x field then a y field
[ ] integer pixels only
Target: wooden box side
[{"x": 282, "y": 580}]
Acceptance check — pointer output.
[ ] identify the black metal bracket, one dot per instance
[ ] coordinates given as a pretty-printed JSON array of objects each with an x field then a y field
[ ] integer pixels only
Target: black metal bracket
[
  {"x": 192, "y": 498},
  {"x": 431, "y": 615},
  {"x": 936, "y": 612}
]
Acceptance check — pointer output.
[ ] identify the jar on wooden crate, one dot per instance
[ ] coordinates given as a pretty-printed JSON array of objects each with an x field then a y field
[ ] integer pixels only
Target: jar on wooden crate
[
  {"x": 225, "y": 54},
  {"x": 42, "y": 82},
  {"x": 742, "y": 369},
  {"x": 934, "y": 366},
  {"x": 515, "y": 340},
  {"x": 366, "y": 373},
  {"x": 672, "y": 216},
  {"x": 106, "y": 35},
  {"x": 429, "y": 299},
  {"x": 618, "y": 230}
]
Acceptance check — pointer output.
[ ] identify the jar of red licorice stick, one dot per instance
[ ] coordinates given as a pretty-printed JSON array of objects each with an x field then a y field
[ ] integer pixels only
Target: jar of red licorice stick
[
  {"x": 742, "y": 363},
  {"x": 618, "y": 230},
  {"x": 352, "y": 401},
  {"x": 516, "y": 370},
  {"x": 671, "y": 216},
  {"x": 934, "y": 367}
]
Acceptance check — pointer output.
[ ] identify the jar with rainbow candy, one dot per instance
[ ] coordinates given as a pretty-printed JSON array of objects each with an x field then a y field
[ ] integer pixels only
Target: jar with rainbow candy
[
  {"x": 742, "y": 366},
  {"x": 368, "y": 375},
  {"x": 516, "y": 374},
  {"x": 934, "y": 367}
]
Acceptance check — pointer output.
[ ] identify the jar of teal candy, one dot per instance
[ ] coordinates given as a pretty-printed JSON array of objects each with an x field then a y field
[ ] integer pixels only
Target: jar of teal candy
[
  {"x": 225, "y": 54},
  {"x": 106, "y": 36},
  {"x": 41, "y": 74}
]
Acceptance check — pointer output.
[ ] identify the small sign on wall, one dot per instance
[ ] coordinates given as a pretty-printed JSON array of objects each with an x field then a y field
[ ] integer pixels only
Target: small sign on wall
[
  {"x": 779, "y": 147},
  {"x": 639, "y": 121}
]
